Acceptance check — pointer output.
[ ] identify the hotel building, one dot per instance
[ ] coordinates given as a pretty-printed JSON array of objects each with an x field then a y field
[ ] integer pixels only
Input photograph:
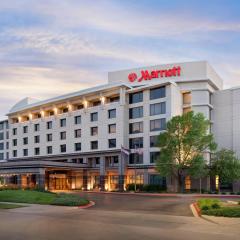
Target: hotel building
[{"x": 74, "y": 141}]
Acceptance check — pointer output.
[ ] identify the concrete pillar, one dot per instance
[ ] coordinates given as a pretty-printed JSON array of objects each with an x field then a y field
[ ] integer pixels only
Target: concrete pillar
[
  {"x": 102, "y": 173},
  {"x": 145, "y": 177},
  {"x": 121, "y": 171},
  {"x": 19, "y": 180},
  {"x": 85, "y": 180}
]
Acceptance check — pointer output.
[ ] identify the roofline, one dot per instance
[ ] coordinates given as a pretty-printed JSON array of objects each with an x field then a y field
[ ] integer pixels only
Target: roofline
[{"x": 69, "y": 95}]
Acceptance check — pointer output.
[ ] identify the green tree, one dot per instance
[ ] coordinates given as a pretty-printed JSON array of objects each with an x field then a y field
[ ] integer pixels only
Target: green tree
[
  {"x": 182, "y": 145},
  {"x": 226, "y": 165}
]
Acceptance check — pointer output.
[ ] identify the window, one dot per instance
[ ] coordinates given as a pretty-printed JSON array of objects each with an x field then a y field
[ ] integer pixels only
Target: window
[
  {"x": 49, "y": 125},
  {"x": 136, "y": 143},
  {"x": 36, "y": 151},
  {"x": 94, "y": 131},
  {"x": 63, "y": 148},
  {"x": 14, "y": 131},
  {"x": 49, "y": 137},
  {"x": 7, "y": 135},
  {"x": 25, "y": 152},
  {"x": 112, "y": 128},
  {"x": 1, "y": 156},
  {"x": 1, "y": 136},
  {"x": 135, "y": 158},
  {"x": 153, "y": 141},
  {"x": 77, "y": 146},
  {"x": 77, "y": 119},
  {"x": 14, "y": 153},
  {"x": 25, "y": 141},
  {"x": 65, "y": 110},
  {"x": 36, "y": 127},
  {"x": 63, "y": 122},
  {"x": 112, "y": 143},
  {"x": 158, "y": 124},
  {"x": 96, "y": 103},
  {"x": 136, "y": 127},
  {"x": 62, "y": 135},
  {"x": 94, "y": 145},
  {"x": 136, "y": 112},
  {"x": 1, "y": 126},
  {"x": 187, "y": 98},
  {"x": 114, "y": 99},
  {"x": 77, "y": 133},
  {"x": 112, "y": 113},
  {"x": 14, "y": 142},
  {"x": 25, "y": 129},
  {"x": 157, "y": 108},
  {"x": 37, "y": 139},
  {"x": 135, "y": 97},
  {"x": 97, "y": 160},
  {"x": 49, "y": 150},
  {"x": 1, "y": 146},
  {"x": 157, "y": 93},
  {"x": 139, "y": 179},
  {"x": 154, "y": 156},
  {"x": 7, "y": 147},
  {"x": 94, "y": 117}
]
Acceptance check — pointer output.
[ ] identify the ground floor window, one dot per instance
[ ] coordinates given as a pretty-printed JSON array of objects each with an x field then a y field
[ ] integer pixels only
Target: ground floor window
[
  {"x": 187, "y": 183},
  {"x": 139, "y": 179},
  {"x": 156, "y": 179}
]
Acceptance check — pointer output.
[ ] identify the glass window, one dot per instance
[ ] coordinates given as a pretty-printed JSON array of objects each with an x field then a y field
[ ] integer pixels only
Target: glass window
[
  {"x": 136, "y": 127},
  {"x": 63, "y": 122},
  {"x": 136, "y": 112},
  {"x": 25, "y": 129},
  {"x": 49, "y": 150},
  {"x": 158, "y": 124},
  {"x": 77, "y": 119},
  {"x": 14, "y": 153},
  {"x": 1, "y": 136},
  {"x": 77, "y": 146},
  {"x": 7, "y": 147},
  {"x": 1, "y": 126},
  {"x": 25, "y": 152},
  {"x": 37, "y": 139},
  {"x": 14, "y": 142},
  {"x": 36, "y": 127},
  {"x": 37, "y": 151},
  {"x": 63, "y": 135},
  {"x": 157, "y": 108},
  {"x": 135, "y": 158},
  {"x": 136, "y": 143},
  {"x": 77, "y": 133},
  {"x": 94, "y": 117},
  {"x": 94, "y": 145},
  {"x": 156, "y": 179},
  {"x": 25, "y": 141},
  {"x": 63, "y": 148},
  {"x": 49, "y": 137},
  {"x": 111, "y": 143},
  {"x": 154, "y": 156},
  {"x": 112, "y": 113},
  {"x": 94, "y": 131},
  {"x": 14, "y": 131},
  {"x": 153, "y": 141},
  {"x": 157, "y": 93},
  {"x": 49, "y": 125},
  {"x": 135, "y": 97},
  {"x": 112, "y": 128},
  {"x": 1, "y": 146},
  {"x": 1, "y": 156}
]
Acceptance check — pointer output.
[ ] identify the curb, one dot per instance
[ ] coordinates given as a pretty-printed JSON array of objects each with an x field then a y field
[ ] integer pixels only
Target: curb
[
  {"x": 90, "y": 204},
  {"x": 195, "y": 210}
]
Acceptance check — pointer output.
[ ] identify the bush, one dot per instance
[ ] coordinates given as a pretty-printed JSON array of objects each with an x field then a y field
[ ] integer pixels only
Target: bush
[
  {"x": 69, "y": 200},
  {"x": 215, "y": 206},
  {"x": 208, "y": 203},
  {"x": 146, "y": 188},
  {"x": 205, "y": 208},
  {"x": 223, "y": 212},
  {"x": 9, "y": 187}
]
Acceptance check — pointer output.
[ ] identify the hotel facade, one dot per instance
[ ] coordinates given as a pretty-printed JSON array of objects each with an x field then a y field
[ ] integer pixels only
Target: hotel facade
[{"x": 74, "y": 141}]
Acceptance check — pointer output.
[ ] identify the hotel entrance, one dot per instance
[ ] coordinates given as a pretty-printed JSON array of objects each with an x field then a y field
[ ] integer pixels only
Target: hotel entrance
[{"x": 58, "y": 181}]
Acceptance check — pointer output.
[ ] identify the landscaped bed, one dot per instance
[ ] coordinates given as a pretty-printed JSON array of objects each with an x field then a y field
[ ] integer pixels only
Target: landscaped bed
[
  {"x": 10, "y": 205},
  {"x": 215, "y": 207},
  {"x": 37, "y": 197}
]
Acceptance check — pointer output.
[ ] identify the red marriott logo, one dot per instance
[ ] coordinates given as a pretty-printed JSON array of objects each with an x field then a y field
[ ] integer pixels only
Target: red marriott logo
[{"x": 148, "y": 75}]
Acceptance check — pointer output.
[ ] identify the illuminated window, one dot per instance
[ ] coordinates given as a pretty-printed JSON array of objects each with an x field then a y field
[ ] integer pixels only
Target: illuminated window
[
  {"x": 187, "y": 183},
  {"x": 187, "y": 98}
]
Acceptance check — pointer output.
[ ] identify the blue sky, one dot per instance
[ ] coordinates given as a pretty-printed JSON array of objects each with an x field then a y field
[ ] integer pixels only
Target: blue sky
[{"x": 51, "y": 47}]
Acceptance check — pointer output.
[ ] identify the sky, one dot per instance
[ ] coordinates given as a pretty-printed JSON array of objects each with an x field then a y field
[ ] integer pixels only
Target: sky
[{"x": 53, "y": 47}]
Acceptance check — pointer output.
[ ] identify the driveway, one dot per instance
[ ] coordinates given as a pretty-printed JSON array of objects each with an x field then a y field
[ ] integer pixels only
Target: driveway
[{"x": 113, "y": 217}]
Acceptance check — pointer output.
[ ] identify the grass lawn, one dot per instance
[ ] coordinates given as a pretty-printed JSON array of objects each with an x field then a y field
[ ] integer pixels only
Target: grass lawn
[
  {"x": 215, "y": 207},
  {"x": 9, "y": 206},
  {"x": 36, "y": 197}
]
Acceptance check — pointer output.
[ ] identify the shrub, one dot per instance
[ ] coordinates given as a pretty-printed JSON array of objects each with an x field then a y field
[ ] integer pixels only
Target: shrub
[
  {"x": 69, "y": 200},
  {"x": 215, "y": 206},
  {"x": 204, "y": 208},
  {"x": 209, "y": 203},
  {"x": 224, "y": 212}
]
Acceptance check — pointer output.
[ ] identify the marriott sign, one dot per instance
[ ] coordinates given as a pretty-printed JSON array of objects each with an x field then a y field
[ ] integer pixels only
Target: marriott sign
[{"x": 149, "y": 75}]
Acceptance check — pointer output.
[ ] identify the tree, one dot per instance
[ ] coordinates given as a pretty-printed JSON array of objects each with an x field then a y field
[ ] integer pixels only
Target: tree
[
  {"x": 182, "y": 145},
  {"x": 226, "y": 165}
]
